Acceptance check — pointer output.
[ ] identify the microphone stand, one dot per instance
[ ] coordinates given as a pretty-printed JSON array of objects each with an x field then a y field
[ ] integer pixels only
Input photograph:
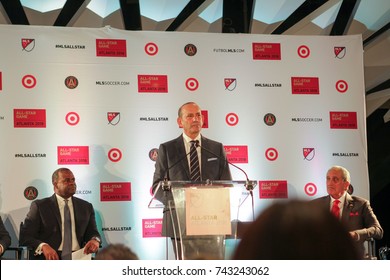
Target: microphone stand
[{"x": 249, "y": 185}]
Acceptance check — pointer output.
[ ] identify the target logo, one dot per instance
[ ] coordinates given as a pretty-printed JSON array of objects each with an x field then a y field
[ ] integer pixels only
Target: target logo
[
  {"x": 29, "y": 81},
  {"x": 151, "y": 49},
  {"x": 303, "y": 51},
  {"x": 192, "y": 84},
  {"x": 271, "y": 154},
  {"x": 310, "y": 189},
  {"x": 72, "y": 118},
  {"x": 114, "y": 155},
  {"x": 342, "y": 86},
  {"x": 231, "y": 119}
]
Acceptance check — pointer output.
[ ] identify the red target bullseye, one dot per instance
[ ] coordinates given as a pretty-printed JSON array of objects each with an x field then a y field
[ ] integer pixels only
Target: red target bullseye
[{"x": 114, "y": 155}]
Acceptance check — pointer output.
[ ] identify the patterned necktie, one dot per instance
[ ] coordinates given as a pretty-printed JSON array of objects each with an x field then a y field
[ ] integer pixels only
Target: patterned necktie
[
  {"x": 194, "y": 162},
  {"x": 336, "y": 208},
  {"x": 67, "y": 244}
]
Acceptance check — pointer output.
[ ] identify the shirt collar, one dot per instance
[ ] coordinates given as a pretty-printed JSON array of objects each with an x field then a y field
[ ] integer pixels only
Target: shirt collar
[{"x": 188, "y": 139}]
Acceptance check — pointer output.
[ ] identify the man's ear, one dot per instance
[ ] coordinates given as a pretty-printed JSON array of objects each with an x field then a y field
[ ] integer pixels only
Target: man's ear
[{"x": 179, "y": 122}]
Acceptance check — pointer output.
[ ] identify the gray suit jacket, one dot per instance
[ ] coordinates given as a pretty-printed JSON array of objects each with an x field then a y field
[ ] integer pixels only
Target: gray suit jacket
[
  {"x": 43, "y": 223},
  {"x": 357, "y": 215},
  {"x": 172, "y": 156}
]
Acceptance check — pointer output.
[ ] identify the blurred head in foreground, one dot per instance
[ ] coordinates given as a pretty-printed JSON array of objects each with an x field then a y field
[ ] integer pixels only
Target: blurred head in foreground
[
  {"x": 116, "y": 252},
  {"x": 296, "y": 230}
]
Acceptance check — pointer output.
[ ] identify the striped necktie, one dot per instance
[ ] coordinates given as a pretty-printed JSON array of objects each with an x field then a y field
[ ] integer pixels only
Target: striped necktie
[{"x": 194, "y": 162}]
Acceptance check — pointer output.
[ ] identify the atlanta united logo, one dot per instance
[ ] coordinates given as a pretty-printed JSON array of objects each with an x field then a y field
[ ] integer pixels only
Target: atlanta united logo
[
  {"x": 153, "y": 154},
  {"x": 30, "y": 193},
  {"x": 71, "y": 82},
  {"x": 190, "y": 49},
  {"x": 269, "y": 119}
]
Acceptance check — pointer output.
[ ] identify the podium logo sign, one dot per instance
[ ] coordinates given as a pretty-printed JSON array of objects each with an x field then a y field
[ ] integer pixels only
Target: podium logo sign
[
  {"x": 73, "y": 154},
  {"x": 343, "y": 120},
  {"x": 115, "y": 191},
  {"x": 151, "y": 228},
  {"x": 273, "y": 189},
  {"x": 31, "y": 118},
  {"x": 207, "y": 211}
]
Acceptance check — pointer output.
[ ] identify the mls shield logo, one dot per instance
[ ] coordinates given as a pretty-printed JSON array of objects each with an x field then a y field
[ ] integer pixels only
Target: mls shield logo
[
  {"x": 230, "y": 83},
  {"x": 113, "y": 118},
  {"x": 308, "y": 153},
  {"x": 28, "y": 44},
  {"x": 340, "y": 52}
]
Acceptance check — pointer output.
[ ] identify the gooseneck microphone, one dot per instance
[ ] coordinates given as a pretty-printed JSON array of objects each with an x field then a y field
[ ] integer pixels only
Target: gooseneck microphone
[
  {"x": 165, "y": 182},
  {"x": 249, "y": 185}
]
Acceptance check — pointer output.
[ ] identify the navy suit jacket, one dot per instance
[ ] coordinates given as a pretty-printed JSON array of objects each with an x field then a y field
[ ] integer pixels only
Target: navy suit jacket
[
  {"x": 172, "y": 154},
  {"x": 43, "y": 223},
  {"x": 5, "y": 238},
  {"x": 357, "y": 215}
]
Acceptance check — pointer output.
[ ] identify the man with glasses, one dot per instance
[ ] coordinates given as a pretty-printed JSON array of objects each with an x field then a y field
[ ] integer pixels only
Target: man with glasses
[{"x": 355, "y": 213}]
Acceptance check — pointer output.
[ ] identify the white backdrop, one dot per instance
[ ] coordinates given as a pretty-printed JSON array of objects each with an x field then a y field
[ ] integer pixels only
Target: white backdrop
[{"x": 100, "y": 101}]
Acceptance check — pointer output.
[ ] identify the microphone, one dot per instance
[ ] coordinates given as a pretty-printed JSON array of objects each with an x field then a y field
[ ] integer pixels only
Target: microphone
[
  {"x": 249, "y": 185},
  {"x": 165, "y": 183}
]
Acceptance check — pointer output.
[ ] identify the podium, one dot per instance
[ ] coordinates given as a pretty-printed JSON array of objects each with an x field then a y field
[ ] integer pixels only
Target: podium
[{"x": 203, "y": 215}]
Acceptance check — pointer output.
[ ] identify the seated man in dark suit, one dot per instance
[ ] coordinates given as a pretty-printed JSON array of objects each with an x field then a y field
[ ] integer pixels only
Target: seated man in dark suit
[
  {"x": 355, "y": 213},
  {"x": 5, "y": 238},
  {"x": 44, "y": 229}
]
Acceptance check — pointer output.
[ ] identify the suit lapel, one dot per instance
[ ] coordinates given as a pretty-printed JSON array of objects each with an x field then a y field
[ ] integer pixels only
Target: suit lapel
[
  {"x": 181, "y": 154},
  {"x": 56, "y": 210},
  {"x": 348, "y": 207}
]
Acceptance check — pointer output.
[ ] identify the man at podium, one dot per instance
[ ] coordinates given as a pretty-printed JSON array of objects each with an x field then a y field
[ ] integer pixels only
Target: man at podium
[{"x": 189, "y": 157}]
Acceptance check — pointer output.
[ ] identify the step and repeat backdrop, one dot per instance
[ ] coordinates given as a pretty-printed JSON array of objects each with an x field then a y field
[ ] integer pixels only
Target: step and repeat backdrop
[{"x": 100, "y": 101}]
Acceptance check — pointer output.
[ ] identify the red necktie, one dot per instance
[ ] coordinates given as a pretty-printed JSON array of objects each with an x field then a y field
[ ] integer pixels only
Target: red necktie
[{"x": 336, "y": 209}]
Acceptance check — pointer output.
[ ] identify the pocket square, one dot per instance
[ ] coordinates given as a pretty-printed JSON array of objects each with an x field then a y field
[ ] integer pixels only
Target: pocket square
[{"x": 211, "y": 159}]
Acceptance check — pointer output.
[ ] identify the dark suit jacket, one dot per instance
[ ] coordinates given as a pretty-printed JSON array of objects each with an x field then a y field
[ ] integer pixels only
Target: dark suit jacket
[
  {"x": 172, "y": 155},
  {"x": 5, "y": 238},
  {"x": 357, "y": 215},
  {"x": 43, "y": 223}
]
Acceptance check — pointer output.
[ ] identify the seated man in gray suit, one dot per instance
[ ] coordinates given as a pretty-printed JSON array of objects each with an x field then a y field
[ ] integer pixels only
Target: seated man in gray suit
[
  {"x": 355, "y": 213},
  {"x": 173, "y": 161},
  {"x": 43, "y": 229}
]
